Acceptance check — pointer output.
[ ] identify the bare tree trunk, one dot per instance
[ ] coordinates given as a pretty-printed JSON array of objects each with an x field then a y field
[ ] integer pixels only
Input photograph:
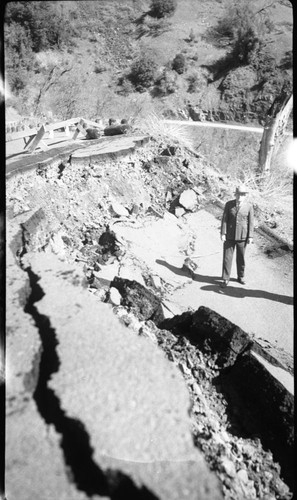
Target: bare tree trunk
[{"x": 274, "y": 130}]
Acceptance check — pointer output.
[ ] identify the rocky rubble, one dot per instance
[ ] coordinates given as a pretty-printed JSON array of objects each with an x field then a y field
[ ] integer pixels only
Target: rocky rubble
[
  {"x": 73, "y": 213},
  {"x": 245, "y": 467}
]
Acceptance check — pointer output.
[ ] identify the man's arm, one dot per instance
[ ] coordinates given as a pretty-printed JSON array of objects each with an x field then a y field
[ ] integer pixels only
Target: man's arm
[{"x": 224, "y": 223}]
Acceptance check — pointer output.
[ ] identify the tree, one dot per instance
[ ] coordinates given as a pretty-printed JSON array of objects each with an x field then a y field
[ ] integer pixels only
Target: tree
[
  {"x": 143, "y": 72},
  {"x": 19, "y": 57},
  {"x": 42, "y": 21}
]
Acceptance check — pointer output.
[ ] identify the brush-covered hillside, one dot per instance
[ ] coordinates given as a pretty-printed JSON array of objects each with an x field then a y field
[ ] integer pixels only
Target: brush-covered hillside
[{"x": 119, "y": 57}]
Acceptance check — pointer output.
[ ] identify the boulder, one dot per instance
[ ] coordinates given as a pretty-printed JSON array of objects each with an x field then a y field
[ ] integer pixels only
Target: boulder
[
  {"x": 218, "y": 335},
  {"x": 179, "y": 211},
  {"x": 109, "y": 248},
  {"x": 212, "y": 333},
  {"x": 114, "y": 296},
  {"x": 116, "y": 129},
  {"x": 188, "y": 199},
  {"x": 119, "y": 210},
  {"x": 92, "y": 133},
  {"x": 138, "y": 299}
]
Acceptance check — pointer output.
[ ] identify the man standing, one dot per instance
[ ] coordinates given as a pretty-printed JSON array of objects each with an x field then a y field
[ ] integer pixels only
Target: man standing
[{"x": 236, "y": 231}]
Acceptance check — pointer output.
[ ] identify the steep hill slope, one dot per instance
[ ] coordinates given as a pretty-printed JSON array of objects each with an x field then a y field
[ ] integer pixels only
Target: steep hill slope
[{"x": 88, "y": 71}]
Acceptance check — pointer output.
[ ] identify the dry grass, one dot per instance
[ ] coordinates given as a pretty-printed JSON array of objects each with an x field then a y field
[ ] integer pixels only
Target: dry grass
[
  {"x": 174, "y": 134},
  {"x": 276, "y": 184}
]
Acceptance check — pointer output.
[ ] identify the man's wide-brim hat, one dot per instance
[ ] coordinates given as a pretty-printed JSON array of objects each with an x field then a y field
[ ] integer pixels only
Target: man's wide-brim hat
[{"x": 241, "y": 188}]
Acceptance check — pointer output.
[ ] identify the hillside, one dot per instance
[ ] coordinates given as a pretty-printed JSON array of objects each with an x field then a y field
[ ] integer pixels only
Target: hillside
[{"x": 81, "y": 64}]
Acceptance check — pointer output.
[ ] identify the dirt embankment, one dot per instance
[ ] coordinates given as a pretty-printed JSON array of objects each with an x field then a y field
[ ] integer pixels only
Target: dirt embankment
[{"x": 72, "y": 211}]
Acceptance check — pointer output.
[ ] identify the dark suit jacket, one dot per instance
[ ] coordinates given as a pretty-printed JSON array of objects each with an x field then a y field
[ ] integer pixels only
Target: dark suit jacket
[{"x": 238, "y": 225}]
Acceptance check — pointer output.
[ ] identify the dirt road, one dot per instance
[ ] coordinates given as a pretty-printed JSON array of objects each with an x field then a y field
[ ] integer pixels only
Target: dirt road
[
  {"x": 263, "y": 307},
  {"x": 215, "y": 124}
]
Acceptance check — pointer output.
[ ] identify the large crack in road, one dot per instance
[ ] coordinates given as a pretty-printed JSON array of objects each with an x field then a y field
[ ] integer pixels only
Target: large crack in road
[{"x": 75, "y": 440}]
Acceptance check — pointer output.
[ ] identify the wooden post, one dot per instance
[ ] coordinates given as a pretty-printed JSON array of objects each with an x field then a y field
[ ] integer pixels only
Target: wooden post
[
  {"x": 274, "y": 131},
  {"x": 37, "y": 139},
  {"x": 79, "y": 129}
]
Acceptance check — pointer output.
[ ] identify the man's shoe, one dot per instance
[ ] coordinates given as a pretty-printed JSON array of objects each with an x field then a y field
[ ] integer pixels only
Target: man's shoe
[
  {"x": 241, "y": 281},
  {"x": 224, "y": 283}
]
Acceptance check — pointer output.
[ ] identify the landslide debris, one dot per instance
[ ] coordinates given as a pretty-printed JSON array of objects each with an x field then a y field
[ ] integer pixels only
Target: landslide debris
[
  {"x": 245, "y": 467},
  {"x": 73, "y": 212}
]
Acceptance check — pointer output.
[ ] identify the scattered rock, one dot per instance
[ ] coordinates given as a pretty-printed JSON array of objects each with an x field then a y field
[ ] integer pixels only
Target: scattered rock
[
  {"x": 115, "y": 296},
  {"x": 188, "y": 199},
  {"x": 146, "y": 331},
  {"x": 169, "y": 151},
  {"x": 101, "y": 293},
  {"x": 156, "y": 281},
  {"x": 138, "y": 299},
  {"x": 243, "y": 476},
  {"x": 179, "y": 211},
  {"x": 57, "y": 245},
  {"x": 228, "y": 466},
  {"x": 92, "y": 133},
  {"x": 109, "y": 248},
  {"x": 135, "y": 209},
  {"x": 119, "y": 210},
  {"x": 116, "y": 129}
]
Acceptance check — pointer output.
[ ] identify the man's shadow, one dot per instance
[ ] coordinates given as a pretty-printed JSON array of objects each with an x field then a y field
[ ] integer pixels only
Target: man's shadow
[
  {"x": 246, "y": 292},
  {"x": 229, "y": 290},
  {"x": 183, "y": 271}
]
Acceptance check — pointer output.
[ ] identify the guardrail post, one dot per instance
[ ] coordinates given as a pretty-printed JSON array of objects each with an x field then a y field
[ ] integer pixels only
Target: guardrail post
[
  {"x": 79, "y": 128},
  {"x": 36, "y": 140}
]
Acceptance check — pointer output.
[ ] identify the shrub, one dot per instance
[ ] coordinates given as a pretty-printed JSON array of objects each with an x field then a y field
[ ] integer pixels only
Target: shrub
[
  {"x": 19, "y": 60},
  {"x": 162, "y": 8},
  {"x": 246, "y": 43},
  {"x": 239, "y": 17},
  {"x": 143, "y": 72},
  {"x": 166, "y": 84},
  {"x": 197, "y": 81},
  {"x": 126, "y": 86},
  {"x": 262, "y": 60},
  {"x": 179, "y": 64}
]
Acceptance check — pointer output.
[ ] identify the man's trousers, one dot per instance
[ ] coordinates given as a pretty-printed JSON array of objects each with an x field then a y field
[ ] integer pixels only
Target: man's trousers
[{"x": 229, "y": 246}]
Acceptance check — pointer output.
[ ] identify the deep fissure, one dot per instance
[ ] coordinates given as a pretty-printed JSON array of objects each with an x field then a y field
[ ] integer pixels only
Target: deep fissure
[{"x": 75, "y": 442}]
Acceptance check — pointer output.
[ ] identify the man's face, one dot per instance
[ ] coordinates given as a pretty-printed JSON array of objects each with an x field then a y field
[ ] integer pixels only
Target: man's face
[{"x": 240, "y": 196}]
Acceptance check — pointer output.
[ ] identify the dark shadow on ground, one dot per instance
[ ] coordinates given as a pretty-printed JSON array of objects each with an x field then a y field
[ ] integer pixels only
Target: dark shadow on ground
[
  {"x": 183, "y": 271},
  {"x": 245, "y": 292}
]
